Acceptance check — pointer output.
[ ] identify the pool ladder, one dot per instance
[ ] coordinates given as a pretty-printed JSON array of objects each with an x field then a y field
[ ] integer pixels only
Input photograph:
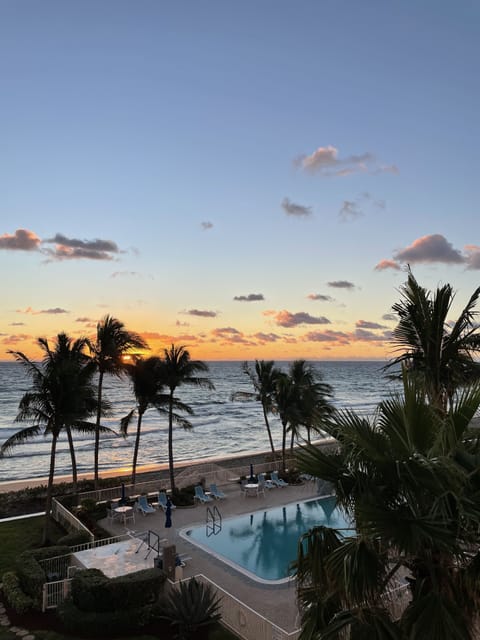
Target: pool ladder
[{"x": 214, "y": 521}]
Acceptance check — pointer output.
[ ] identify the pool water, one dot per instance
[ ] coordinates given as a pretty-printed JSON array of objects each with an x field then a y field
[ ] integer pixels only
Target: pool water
[{"x": 264, "y": 543}]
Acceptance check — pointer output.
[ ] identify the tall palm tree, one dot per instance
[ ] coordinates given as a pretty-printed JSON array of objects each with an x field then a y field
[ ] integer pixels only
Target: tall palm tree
[
  {"x": 62, "y": 398},
  {"x": 263, "y": 379},
  {"x": 409, "y": 480},
  {"x": 178, "y": 370},
  {"x": 286, "y": 407},
  {"x": 113, "y": 343},
  {"x": 443, "y": 356}
]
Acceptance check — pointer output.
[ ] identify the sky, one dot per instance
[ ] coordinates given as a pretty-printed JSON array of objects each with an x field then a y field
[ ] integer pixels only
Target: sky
[{"x": 247, "y": 179}]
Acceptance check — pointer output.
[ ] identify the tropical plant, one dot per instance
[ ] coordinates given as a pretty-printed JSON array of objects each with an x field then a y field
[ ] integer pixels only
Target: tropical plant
[
  {"x": 409, "y": 479},
  {"x": 192, "y": 607},
  {"x": 179, "y": 369},
  {"x": 147, "y": 382},
  {"x": 61, "y": 399},
  {"x": 263, "y": 379},
  {"x": 113, "y": 343},
  {"x": 441, "y": 354}
]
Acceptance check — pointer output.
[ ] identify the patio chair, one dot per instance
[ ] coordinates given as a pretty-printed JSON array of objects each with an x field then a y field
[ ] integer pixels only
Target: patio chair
[
  {"x": 278, "y": 482},
  {"x": 261, "y": 486},
  {"x": 112, "y": 515},
  {"x": 216, "y": 493},
  {"x": 200, "y": 494},
  {"x": 143, "y": 506},
  {"x": 162, "y": 501},
  {"x": 267, "y": 484}
]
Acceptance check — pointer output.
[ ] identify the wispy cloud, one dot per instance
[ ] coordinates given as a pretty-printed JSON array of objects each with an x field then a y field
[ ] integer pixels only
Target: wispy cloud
[
  {"x": 390, "y": 317},
  {"x": 230, "y": 335},
  {"x": 206, "y": 225},
  {"x": 365, "y": 324},
  {"x": 15, "y": 339},
  {"x": 325, "y": 161},
  {"x": 287, "y": 319},
  {"x": 295, "y": 210},
  {"x": 21, "y": 240},
  {"x": 129, "y": 274},
  {"x": 327, "y": 336},
  {"x": 266, "y": 337},
  {"x": 35, "y": 312},
  {"x": 84, "y": 319},
  {"x": 251, "y": 297},
  {"x": 341, "y": 284},
  {"x": 473, "y": 256},
  {"x": 320, "y": 296},
  {"x": 201, "y": 313},
  {"x": 353, "y": 209}
]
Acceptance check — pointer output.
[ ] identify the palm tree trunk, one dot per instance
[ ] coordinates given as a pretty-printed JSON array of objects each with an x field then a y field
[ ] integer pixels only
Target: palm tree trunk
[
  {"x": 269, "y": 431},
  {"x": 136, "y": 447},
  {"x": 48, "y": 503},
  {"x": 284, "y": 445},
  {"x": 170, "y": 441},
  {"x": 292, "y": 441},
  {"x": 73, "y": 458},
  {"x": 97, "y": 430}
]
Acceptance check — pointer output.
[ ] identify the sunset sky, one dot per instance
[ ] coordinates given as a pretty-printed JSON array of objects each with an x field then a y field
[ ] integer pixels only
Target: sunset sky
[{"x": 248, "y": 179}]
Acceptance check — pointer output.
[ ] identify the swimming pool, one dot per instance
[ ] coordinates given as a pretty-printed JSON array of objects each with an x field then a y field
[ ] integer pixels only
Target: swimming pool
[{"x": 264, "y": 543}]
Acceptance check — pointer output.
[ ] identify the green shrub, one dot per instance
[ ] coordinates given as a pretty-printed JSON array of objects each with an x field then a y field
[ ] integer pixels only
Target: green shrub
[
  {"x": 93, "y": 591},
  {"x": 74, "y": 538},
  {"x": 94, "y": 624},
  {"x": 14, "y": 594},
  {"x": 184, "y": 497},
  {"x": 31, "y": 574}
]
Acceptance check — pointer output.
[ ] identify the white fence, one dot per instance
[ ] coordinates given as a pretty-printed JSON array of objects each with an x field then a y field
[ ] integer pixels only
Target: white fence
[
  {"x": 67, "y": 520},
  {"x": 244, "y": 621},
  {"x": 54, "y": 593}
]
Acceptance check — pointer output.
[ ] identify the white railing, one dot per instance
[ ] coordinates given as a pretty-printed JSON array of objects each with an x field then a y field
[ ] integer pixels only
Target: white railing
[
  {"x": 99, "y": 543},
  {"x": 67, "y": 520},
  {"x": 54, "y": 593},
  {"x": 244, "y": 621}
]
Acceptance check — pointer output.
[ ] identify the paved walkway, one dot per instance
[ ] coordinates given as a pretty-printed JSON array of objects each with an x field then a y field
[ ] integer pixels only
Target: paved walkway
[
  {"x": 276, "y": 602},
  {"x": 17, "y": 631}
]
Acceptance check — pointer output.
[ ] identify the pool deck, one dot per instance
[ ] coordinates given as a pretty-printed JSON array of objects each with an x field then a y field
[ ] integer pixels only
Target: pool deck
[{"x": 276, "y": 602}]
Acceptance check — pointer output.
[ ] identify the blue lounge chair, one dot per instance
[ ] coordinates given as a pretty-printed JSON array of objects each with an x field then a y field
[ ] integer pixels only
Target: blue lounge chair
[
  {"x": 278, "y": 482},
  {"x": 162, "y": 501},
  {"x": 268, "y": 484},
  {"x": 216, "y": 493},
  {"x": 143, "y": 506},
  {"x": 200, "y": 494}
]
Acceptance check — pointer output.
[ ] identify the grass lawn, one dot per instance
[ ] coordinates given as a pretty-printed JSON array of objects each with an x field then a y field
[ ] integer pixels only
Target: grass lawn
[{"x": 19, "y": 535}]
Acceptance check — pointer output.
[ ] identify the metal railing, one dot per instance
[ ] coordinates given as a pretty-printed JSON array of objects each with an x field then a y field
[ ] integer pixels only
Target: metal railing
[{"x": 55, "y": 593}]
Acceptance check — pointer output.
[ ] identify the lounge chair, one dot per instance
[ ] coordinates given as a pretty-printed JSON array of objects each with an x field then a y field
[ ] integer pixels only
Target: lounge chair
[
  {"x": 200, "y": 494},
  {"x": 216, "y": 493},
  {"x": 162, "y": 501},
  {"x": 143, "y": 506},
  {"x": 267, "y": 484},
  {"x": 278, "y": 482}
]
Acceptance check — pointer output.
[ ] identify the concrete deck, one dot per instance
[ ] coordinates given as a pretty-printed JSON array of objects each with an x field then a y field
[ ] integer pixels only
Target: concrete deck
[{"x": 275, "y": 602}]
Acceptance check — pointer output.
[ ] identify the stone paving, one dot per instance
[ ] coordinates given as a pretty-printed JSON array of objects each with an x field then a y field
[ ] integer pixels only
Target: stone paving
[{"x": 18, "y": 631}]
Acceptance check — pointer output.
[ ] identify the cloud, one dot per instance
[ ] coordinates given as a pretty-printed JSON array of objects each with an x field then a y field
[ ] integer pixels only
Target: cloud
[
  {"x": 387, "y": 264},
  {"x": 296, "y": 210},
  {"x": 84, "y": 319},
  {"x": 325, "y": 161},
  {"x": 432, "y": 248},
  {"x": 230, "y": 335},
  {"x": 286, "y": 319},
  {"x": 73, "y": 248},
  {"x": 390, "y": 317},
  {"x": 16, "y": 324},
  {"x": 14, "y": 339},
  {"x": 251, "y": 297},
  {"x": 206, "y": 225},
  {"x": 368, "y": 336},
  {"x": 473, "y": 256},
  {"x": 33, "y": 312},
  {"x": 182, "y": 324},
  {"x": 365, "y": 324},
  {"x": 266, "y": 337},
  {"x": 22, "y": 240},
  {"x": 350, "y": 210},
  {"x": 341, "y": 284},
  {"x": 128, "y": 274},
  {"x": 201, "y": 313},
  {"x": 327, "y": 336},
  {"x": 319, "y": 296}
]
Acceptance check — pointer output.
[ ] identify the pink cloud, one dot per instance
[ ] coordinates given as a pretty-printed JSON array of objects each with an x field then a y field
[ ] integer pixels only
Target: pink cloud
[{"x": 22, "y": 240}]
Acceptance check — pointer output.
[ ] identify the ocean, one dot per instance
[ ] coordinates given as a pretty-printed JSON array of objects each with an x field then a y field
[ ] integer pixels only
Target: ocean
[{"x": 221, "y": 426}]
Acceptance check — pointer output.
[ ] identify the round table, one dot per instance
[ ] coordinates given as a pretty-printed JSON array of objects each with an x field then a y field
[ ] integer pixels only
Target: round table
[
  {"x": 251, "y": 489},
  {"x": 124, "y": 511}
]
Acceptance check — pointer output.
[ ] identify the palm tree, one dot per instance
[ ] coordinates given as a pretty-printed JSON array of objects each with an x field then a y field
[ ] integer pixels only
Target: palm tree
[
  {"x": 62, "y": 398},
  {"x": 440, "y": 354},
  {"x": 147, "y": 382},
  {"x": 179, "y": 369},
  {"x": 409, "y": 480},
  {"x": 263, "y": 379},
  {"x": 286, "y": 406},
  {"x": 113, "y": 343}
]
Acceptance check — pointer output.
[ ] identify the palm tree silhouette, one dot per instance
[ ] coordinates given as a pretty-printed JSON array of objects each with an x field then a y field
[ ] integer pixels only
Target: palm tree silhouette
[
  {"x": 178, "y": 370},
  {"x": 113, "y": 342},
  {"x": 62, "y": 398}
]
